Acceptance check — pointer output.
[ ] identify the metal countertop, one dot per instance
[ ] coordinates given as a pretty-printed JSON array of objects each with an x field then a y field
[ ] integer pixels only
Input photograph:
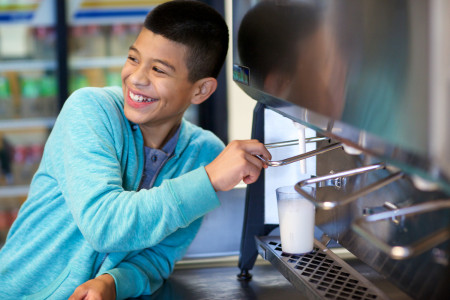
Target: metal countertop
[{"x": 217, "y": 280}]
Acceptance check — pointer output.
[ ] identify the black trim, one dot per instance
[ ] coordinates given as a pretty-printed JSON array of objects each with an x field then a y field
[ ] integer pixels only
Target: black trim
[
  {"x": 62, "y": 52},
  {"x": 254, "y": 207}
]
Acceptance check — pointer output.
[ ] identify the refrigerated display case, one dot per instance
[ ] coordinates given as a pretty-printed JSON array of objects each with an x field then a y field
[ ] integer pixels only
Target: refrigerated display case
[
  {"x": 28, "y": 97},
  {"x": 100, "y": 33}
]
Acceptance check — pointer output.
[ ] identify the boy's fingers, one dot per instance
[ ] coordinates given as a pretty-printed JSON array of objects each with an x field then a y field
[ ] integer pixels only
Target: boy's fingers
[
  {"x": 251, "y": 178},
  {"x": 237, "y": 162},
  {"x": 255, "y": 147},
  {"x": 255, "y": 161}
]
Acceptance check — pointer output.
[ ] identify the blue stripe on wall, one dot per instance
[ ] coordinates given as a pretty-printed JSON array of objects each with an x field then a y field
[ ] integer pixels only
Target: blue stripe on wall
[
  {"x": 16, "y": 16},
  {"x": 110, "y": 13}
]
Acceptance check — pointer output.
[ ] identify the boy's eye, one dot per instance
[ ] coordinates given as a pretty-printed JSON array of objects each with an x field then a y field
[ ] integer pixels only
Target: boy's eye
[
  {"x": 158, "y": 70},
  {"x": 132, "y": 58}
]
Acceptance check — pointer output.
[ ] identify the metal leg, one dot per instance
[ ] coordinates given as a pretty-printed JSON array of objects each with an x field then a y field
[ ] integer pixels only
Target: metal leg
[{"x": 254, "y": 208}]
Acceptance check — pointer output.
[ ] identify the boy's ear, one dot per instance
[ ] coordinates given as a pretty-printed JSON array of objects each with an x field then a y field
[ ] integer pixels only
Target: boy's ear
[{"x": 203, "y": 89}]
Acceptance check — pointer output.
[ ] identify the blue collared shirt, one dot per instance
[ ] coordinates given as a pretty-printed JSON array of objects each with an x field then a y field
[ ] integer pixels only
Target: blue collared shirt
[{"x": 155, "y": 160}]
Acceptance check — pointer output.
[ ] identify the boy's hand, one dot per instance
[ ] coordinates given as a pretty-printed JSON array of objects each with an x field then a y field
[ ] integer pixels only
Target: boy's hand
[
  {"x": 237, "y": 162},
  {"x": 101, "y": 288}
]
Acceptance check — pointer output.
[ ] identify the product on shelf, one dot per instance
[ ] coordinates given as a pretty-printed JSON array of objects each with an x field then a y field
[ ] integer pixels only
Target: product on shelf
[
  {"x": 16, "y": 41},
  {"x": 96, "y": 41},
  {"x": 31, "y": 103},
  {"x": 77, "y": 80},
  {"x": 44, "y": 40},
  {"x": 77, "y": 42},
  {"x": 118, "y": 40},
  {"x": 121, "y": 37},
  {"x": 6, "y": 104},
  {"x": 7, "y": 216},
  {"x": 132, "y": 33},
  {"x": 95, "y": 77},
  {"x": 4, "y": 219},
  {"x": 87, "y": 41},
  {"x": 9, "y": 208},
  {"x": 6, "y": 177},
  {"x": 113, "y": 77},
  {"x": 48, "y": 95},
  {"x": 25, "y": 150}
]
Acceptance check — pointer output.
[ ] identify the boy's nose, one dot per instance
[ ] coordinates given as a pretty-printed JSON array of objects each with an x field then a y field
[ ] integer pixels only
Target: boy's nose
[{"x": 140, "y": 77}]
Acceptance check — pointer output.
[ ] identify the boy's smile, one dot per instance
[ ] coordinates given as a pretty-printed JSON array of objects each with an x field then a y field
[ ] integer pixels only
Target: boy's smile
[
  {"x": 137, "y": 100},
  {"x": 140, "y": 98},
  {"x": 155, "y": 85}
]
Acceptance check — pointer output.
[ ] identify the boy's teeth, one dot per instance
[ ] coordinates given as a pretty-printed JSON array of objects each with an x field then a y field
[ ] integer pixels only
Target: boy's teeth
[{"x": 140, "y": 98}]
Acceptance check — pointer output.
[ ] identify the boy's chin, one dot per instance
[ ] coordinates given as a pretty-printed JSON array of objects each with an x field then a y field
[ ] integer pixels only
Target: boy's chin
[{"x": 132, "y": 117}]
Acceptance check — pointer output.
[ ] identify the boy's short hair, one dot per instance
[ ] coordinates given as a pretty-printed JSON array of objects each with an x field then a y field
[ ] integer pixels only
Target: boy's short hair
[{"x": 197, "y": 26}]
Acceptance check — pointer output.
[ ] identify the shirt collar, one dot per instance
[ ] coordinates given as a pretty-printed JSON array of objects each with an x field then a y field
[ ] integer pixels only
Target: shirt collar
[{"x": 171, "y": 144}]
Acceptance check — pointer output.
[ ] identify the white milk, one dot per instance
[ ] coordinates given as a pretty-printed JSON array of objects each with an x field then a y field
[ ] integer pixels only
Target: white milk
[{"x": 296, "y": 216}]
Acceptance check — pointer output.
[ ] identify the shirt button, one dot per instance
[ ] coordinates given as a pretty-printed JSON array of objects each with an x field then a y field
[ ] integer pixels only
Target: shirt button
[{"x": 154, "y": 158}]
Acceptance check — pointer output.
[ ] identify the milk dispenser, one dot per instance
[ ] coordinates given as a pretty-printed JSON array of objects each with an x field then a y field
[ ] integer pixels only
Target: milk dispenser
[{"x": 357, "y": 92}]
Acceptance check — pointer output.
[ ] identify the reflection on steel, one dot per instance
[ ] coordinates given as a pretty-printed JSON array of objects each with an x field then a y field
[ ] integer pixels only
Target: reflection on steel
[
  {"x": 369, "y": 67},
  {"x": 278, "y": 163},
  {"x": 294, "y": 142},
  {"x": 406, "y": 251},
  {"x": 352, "y": 197},
  {"x": 372, "y": 74}
]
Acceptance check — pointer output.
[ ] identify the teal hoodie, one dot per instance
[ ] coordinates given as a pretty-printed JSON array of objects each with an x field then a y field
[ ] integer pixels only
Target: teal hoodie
[{"x": 84, "y": 216}]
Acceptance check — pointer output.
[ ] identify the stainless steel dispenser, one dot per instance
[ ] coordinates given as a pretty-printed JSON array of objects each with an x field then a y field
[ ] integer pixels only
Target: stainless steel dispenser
[{"x": 372, "y": 78}]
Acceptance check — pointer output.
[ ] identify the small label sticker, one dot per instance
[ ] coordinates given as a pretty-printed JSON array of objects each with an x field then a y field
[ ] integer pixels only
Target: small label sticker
[{"x": 241, "y": 74}]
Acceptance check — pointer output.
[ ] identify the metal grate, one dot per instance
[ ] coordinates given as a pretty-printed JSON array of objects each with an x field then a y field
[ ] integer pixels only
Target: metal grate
[{"x": 328, "y": 278}]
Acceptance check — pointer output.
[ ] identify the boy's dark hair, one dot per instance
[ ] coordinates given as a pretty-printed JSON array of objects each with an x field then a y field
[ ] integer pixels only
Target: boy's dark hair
[{"x": 197, "y": 26}]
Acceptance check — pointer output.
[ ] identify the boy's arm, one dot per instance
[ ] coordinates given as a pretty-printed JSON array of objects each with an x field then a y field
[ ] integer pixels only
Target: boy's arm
[
  {"x": 144, "y": 273},
  {"x": 82, "y": 155}
]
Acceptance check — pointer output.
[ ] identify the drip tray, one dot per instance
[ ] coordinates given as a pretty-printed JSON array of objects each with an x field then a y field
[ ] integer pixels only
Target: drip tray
[{"x": 320, "y": 274}]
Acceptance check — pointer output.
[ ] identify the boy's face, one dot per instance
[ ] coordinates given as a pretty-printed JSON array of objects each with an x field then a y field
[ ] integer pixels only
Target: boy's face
[{"x": 155, "y": 81}]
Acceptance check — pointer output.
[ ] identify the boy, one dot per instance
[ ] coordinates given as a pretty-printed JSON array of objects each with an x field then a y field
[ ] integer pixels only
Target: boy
[{"x": 124, "y": 180}]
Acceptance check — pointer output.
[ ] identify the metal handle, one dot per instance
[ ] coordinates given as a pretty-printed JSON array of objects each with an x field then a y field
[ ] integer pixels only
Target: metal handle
[
  {"x": 294, "y": 142},
  {"x": 417, "y": 247},
  {"x": 275, "y": 163},
  {"x": 352, "y": 197}
]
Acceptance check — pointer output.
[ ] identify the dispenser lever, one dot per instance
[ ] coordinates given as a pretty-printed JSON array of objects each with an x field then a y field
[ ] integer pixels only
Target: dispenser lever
[
  {"x": 413, "y": 249},
  {"x": 277, "y": 163},
  {"x": 363, "y": 191}
]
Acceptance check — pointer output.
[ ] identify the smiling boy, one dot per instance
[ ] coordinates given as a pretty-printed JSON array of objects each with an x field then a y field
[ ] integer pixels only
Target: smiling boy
[{"x": 124, "y": 180}]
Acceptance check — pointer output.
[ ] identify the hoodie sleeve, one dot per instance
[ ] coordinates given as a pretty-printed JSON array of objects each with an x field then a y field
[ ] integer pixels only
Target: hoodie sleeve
[
  {"x": 145, "y": 272},
  {"x": 85, "y": 153}
]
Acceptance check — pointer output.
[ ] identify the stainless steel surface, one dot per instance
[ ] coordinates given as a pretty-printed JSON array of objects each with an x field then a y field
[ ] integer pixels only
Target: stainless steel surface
[
  {"x": 424, "y": 276},
  {"x": 373, "y": 74},
  {"x": 213, "y": 282},
  {"x": 414, "y": 248},
  {"x": 278, "y": 163},
  {"x": 321, "y": 274}
]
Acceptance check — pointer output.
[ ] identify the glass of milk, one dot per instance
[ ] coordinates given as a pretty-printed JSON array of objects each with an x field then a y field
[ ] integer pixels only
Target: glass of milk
[{"x": 296, "y": 216}]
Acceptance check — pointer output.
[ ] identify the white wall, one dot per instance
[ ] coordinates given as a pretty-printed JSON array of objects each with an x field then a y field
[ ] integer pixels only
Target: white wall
[{"x": 240, "y": 106}]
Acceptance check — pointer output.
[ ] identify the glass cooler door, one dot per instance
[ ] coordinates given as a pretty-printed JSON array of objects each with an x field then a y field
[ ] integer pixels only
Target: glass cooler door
[{"x": 28, "y": 97}]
